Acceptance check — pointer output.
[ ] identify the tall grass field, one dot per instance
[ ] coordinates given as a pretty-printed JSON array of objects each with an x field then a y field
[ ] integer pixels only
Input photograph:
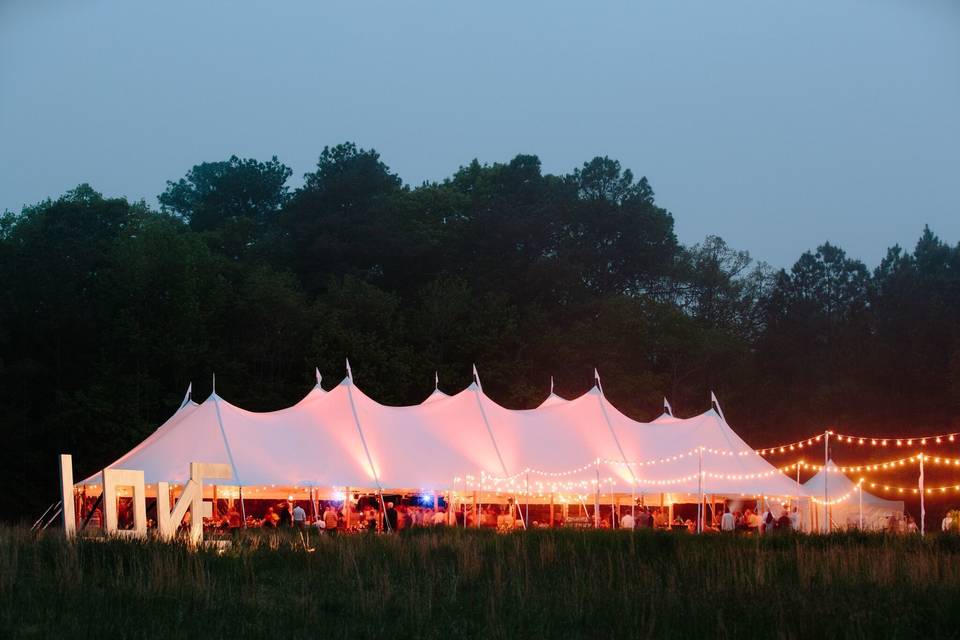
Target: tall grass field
[{"x": 477, "y": 584}]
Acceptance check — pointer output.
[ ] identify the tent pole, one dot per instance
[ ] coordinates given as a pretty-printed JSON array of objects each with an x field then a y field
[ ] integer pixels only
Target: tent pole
[
  {"x": 243, "y": 510},
  {"x": 923, "y": 513},
  {"x": 798, "y": 484},
  {"x": 551, "y": 510},
  {"x": 476, "y": 515},
  {"x": 700, "y": 490},
  {"x": 526, "y": 511},
  {"x": 596, "y": 501},
  {"x": 860, "y": 495},
  {"x": 383, "y": 507},
  {"x": 826, "y": 478},
  {"x": 363, "y": 441},
  {"x": 346, "y": 508}
]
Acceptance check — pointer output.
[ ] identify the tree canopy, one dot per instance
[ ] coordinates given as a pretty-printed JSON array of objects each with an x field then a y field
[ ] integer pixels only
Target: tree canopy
[{"x": 110, "y": 308}]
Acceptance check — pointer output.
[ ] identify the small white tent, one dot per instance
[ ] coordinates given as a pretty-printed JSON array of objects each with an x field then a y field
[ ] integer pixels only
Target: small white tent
[{"x": 843, "y": 502}]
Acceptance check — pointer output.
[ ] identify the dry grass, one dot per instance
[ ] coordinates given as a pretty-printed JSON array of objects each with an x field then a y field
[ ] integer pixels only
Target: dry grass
[{"x": 451, "y": 584}]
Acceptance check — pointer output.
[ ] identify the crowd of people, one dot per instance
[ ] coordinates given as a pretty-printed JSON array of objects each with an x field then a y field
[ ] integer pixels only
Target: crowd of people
[{"x": 368, "y": 515}]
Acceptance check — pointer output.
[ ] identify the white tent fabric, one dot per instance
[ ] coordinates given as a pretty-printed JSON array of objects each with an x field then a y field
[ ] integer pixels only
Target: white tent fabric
[
  {"x": 551, "y": 400},
  {"x": 329, "y": 439},
  {"x": 843, "y": 493},
  {"x": 436, "y": 395}
]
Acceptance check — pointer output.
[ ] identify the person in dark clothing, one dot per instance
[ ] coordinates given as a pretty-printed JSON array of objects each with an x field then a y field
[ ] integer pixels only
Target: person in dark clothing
[
  {"x": 391, "y": 516},
  {"x": 285, "y": 519},
  {"x": 784, "y": 524}
]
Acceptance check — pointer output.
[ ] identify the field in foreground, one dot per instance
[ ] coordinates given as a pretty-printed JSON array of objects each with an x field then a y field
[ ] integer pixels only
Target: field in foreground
[{"x": 469, "y": 584}]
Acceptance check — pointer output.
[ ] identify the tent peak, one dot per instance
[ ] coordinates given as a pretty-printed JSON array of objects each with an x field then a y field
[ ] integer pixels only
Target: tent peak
[
  {"x": 476, "y": 378},
  {"x": 316, "y": 372},
  {"x": 188, "y": 396},
  {"x": 715, "y": 404}
]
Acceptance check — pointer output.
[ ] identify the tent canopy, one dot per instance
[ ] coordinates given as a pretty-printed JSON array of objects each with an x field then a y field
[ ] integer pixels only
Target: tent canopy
[
  {"x": 343, "y": 438},
  {"x": 839, "y": 486}
]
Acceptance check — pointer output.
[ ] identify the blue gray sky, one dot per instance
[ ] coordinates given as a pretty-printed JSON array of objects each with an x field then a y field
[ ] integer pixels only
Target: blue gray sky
[{"x": 776, "y": 125}]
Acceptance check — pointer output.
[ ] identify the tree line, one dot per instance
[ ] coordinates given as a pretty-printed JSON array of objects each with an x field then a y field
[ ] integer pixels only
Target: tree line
[{"x": 110, "y": 308}]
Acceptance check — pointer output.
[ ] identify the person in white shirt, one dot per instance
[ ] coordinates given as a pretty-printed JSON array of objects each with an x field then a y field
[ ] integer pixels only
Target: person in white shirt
[
  {"x": 439, "y": 518},
  {"x": 947, "y": 523},
  {"x": 626, "y": 522},
  {"x": 299, "y": 516},
  {"x": 727, "y": 523}
]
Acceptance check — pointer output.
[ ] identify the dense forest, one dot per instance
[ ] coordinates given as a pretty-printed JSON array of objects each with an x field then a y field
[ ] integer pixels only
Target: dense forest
[{"x": 110, "y": 308}]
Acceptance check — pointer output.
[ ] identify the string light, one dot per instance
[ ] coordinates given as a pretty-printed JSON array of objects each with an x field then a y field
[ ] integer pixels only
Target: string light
[
  {"x": 860, "y": 440},
  {"x": 629, "y": 463},
  {"x": 873, "y": 466},
  {"x": 914, "y": 490},
  {"x": 838, "y": 499}
]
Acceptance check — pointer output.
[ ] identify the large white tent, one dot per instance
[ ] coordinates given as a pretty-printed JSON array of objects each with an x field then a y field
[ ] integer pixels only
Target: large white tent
[
  {"x": 845, "y": 503},
  {"x": 464, "y": 442}
]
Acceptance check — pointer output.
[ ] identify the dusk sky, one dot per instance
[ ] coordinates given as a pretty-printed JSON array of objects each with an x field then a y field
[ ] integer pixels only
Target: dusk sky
[{"x": 774, "y": 125}]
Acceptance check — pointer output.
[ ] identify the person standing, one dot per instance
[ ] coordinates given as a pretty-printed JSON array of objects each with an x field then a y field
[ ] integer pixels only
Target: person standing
[
  {"x": 795, "y": 519},
  {"x": 626, "y": 522},
  {"x": 330, "y": 520},
  {"x": 299, "y": 516},
  {"x": 284, "y": 509},
  {"x": 727, "y": 522},
  {"x": 642, "y": 520},
  {"x": 391, "y": 516}
]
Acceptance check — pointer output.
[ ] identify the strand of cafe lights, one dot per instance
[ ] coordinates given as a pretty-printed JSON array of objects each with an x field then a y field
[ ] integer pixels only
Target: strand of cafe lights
[
  {"x": 844, "y": 438},
  {"x": 643, "y": 463},
  {"x": 838, "y": 499},
  {"x": 874, "y": 466}
]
